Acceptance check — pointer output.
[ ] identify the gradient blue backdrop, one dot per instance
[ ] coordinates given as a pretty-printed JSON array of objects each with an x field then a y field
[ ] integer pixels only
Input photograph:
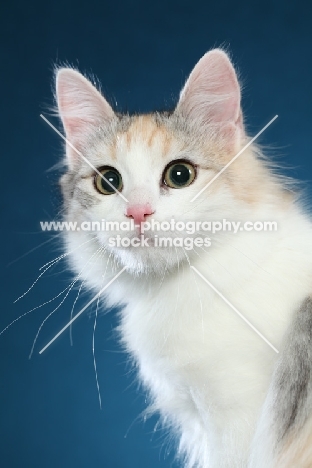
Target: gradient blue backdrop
[{"x": 142, "y": 52}]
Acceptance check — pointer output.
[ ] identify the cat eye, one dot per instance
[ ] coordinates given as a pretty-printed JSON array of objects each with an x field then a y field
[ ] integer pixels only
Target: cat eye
[
  {"x": 179, "y": 174},
  {"x": 112, "y": 176}
]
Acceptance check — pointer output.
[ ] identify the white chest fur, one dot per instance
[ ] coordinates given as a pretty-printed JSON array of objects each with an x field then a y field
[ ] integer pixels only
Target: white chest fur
[{"x": 205, "y": 367}]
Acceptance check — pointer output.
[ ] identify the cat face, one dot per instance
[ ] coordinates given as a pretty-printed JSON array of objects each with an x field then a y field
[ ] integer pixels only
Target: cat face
[{"x": 147, "y": 168}]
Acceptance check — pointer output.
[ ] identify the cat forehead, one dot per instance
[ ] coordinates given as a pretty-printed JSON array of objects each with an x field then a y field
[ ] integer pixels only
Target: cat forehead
[
  {"x": 145, "y": 134},
  {"x": 147, "y": 138}
]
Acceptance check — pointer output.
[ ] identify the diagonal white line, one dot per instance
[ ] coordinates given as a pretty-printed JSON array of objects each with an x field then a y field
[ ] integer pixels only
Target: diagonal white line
[
  {"x": 235, "y": 310},
  {"x": 82, "y": 310},
  {"x": 235, "y": 157},
  {"x": 83, "y": 157}
]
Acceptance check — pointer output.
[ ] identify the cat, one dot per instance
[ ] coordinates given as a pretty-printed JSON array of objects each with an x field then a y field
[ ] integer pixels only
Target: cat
[{"x": 230, "y": 399}]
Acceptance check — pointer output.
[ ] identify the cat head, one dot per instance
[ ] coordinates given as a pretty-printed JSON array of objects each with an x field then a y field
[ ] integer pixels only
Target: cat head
[{"x": 149, "y": 167}]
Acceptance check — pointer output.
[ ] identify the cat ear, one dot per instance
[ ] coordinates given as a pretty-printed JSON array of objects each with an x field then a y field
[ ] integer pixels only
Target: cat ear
[
  {"x": 81, "y": 107},
  {"x": 211, "y": 96}
]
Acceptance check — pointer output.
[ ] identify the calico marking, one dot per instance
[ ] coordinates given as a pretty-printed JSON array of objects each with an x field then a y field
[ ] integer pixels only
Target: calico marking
[{"x": 293, "y": 386}]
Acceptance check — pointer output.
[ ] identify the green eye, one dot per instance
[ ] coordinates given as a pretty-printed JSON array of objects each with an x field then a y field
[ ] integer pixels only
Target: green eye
[
  {"x": 179, "y": 174},
  {"x": 113, "y": 180}
]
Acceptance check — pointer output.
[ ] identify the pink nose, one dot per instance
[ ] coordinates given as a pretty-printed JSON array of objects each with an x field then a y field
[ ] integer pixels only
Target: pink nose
[{"x": 138, "y": 212}]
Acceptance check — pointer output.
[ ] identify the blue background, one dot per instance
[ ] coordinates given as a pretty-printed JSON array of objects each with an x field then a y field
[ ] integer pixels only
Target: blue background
[{"x": 141, "y": 52}]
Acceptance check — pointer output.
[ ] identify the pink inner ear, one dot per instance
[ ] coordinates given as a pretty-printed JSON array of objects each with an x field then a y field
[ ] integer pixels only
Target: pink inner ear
[
  {"x": 212, "y": 93},
  {"x": 82, "y": 108}
]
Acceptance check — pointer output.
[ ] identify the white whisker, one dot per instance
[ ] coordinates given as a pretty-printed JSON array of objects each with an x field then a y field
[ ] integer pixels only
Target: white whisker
[
  {"x": 32, "y": 310},
  {"x": 72, "y": 313},
  {"x": 62, "y": 301},
  {"x": 82, "y": 310},
  {"x": 36, "y": 281},
  {"x": 93, "y": 352},
  {"x": 67, "y": 253},
  {"x": 49, "y": 265}
]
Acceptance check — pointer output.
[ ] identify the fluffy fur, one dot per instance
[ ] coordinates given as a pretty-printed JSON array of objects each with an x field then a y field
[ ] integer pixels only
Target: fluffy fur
[{"x": 229, "y": 398}]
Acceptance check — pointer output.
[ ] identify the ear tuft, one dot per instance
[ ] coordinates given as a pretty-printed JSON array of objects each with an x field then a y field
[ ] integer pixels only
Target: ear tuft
[{"x": 81, "y": 107}]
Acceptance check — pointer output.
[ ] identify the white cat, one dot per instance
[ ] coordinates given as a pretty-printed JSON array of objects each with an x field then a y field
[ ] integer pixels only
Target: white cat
[{"x": 229, "y": 397}]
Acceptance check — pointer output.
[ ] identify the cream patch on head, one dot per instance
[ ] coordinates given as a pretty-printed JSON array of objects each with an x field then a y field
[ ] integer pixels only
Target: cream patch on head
[{"x": 147, "y": 133}]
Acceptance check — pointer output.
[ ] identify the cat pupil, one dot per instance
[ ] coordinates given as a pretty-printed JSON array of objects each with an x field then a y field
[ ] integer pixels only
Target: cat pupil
[
  {"x": 180, "y": 174},
  {"x": 113, "y": 178}
]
